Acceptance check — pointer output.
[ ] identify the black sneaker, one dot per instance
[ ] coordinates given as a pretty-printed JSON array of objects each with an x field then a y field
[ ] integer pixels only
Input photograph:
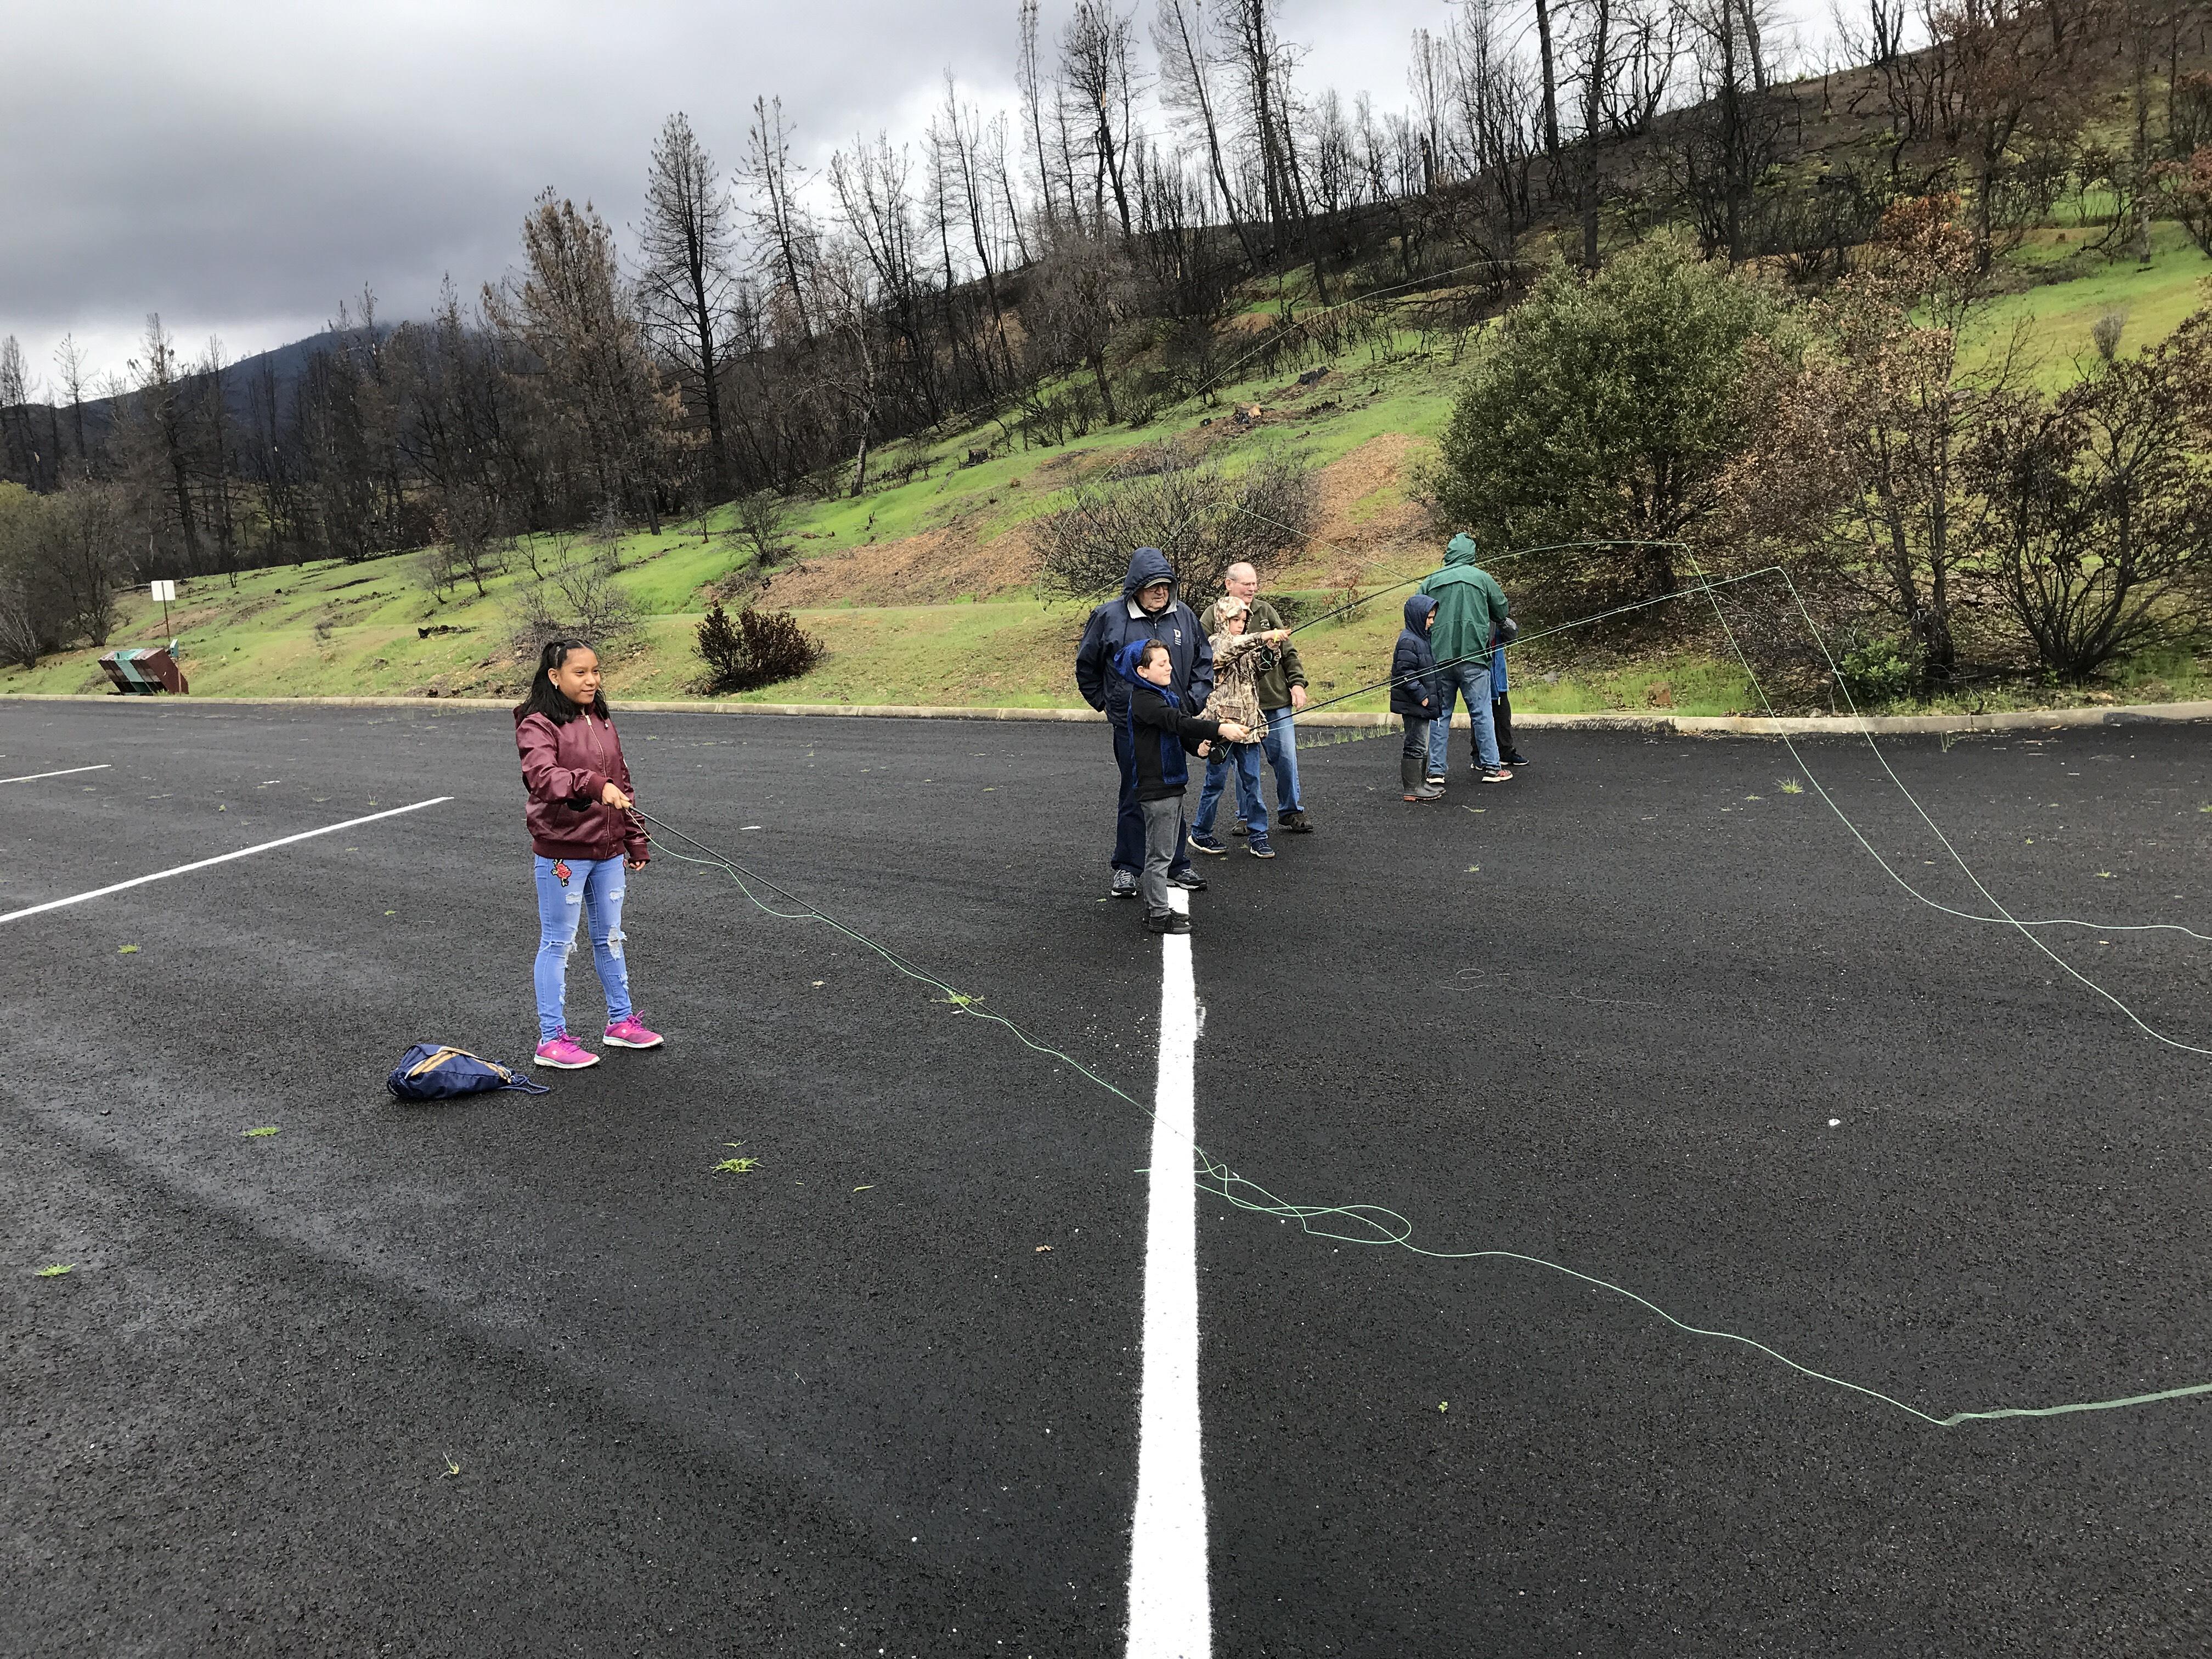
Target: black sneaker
[
  {"x": 1436, "y": 781},
  {"x": 1190, "y": 881},
  {"x": 1206, "y": 844},
  {"x": 1515, "y": 758},
  {"x": 1174, "y": 923},
  {"x": 1296, "y": 823},
  {"x": 1240, "y": 828},
  {"x": 1125, "y": 885}
]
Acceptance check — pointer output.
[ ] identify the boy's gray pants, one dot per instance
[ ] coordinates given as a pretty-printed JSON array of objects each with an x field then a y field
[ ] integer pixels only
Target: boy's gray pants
[{"x": 1163, "y": 825}]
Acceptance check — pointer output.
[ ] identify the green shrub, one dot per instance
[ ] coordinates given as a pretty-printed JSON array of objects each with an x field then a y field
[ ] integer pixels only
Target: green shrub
[
  {"x": 1879, "y": 671},
  {"x": 1604, "y": 407},
  {"x": 752, "y": 650}
]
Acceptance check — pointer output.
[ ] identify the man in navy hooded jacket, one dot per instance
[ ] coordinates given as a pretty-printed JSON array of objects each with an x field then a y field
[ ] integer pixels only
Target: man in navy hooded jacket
[{"x": 1147, "y": 610}]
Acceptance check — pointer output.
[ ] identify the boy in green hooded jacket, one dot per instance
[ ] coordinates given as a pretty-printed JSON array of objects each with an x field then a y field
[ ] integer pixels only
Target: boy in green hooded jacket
[{"x": 1470, "y": 607}]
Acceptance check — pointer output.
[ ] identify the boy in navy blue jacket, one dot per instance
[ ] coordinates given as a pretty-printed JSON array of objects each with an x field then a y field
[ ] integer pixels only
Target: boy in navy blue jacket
[
  {"x": 1413, "y": 695},
  {"x": 1160, "y": 734},
  {"x": 1147, "y": 610}
]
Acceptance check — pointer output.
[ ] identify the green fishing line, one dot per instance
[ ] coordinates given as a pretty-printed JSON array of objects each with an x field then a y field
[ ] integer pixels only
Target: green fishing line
[
  {"x": 1345, "y": 1223},
  {"x": 2004, "y": 917}
]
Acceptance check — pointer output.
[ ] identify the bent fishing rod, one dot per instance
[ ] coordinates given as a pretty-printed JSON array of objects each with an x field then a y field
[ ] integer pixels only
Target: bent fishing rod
[
  {"x": 1706, "y": 587},
  {"x": 1503, "y": 558}
]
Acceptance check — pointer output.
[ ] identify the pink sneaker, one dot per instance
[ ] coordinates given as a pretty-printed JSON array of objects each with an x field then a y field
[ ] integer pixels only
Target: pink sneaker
[
  {"x": 631, "y": 1034},
  {"x": 565, "y": 1054}
]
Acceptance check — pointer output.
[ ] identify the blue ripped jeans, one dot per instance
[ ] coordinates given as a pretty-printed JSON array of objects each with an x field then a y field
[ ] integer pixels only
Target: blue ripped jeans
[
  {"x": 1242, "y": 759},
  {"x": 592, "y": 888}
]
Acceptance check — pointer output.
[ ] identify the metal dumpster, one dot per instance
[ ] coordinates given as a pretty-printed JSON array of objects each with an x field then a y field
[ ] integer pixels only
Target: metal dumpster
[{"x": 142, "y": 671}]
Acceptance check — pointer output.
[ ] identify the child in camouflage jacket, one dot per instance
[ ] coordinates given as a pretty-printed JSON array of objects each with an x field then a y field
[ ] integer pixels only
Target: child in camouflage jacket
[{"x": 1236, "y": 697}]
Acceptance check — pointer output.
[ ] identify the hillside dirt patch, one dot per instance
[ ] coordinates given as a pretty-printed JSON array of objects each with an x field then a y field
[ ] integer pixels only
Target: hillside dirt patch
[
  {"x": 934, "y": 567},
  {"x": 1359, "y": 506}
]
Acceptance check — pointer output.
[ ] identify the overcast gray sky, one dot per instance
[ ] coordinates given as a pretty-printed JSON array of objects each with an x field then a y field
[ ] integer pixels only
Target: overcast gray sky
[{"x": 241, "y": 165}]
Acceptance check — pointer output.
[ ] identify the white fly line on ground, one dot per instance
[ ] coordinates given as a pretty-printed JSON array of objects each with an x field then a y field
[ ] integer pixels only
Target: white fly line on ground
[
  {"x": 66, "y": 772},
  {"x": 221, "y": 858},
  {"x": 1171, "y": 1611}
]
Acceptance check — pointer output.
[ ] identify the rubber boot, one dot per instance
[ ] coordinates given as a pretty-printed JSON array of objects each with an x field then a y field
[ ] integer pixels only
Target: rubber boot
[{"x": 1413, "y": 777}]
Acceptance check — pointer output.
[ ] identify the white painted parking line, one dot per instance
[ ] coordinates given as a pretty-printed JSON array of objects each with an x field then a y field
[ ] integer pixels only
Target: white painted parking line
[
  {"x": 66, "y": 772},
  {"x": 1171, "y": 1613},
  {"x": 225, "y": 858}
]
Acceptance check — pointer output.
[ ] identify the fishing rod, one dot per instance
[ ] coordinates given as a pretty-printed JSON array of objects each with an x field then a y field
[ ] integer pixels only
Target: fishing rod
[
  {"x": 1503, "y": 558},
  {"x": 1706, "y": 586}
]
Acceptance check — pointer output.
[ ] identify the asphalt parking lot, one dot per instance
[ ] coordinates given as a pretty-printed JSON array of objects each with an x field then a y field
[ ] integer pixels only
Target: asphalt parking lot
[{"x": 523, "y": 1375}]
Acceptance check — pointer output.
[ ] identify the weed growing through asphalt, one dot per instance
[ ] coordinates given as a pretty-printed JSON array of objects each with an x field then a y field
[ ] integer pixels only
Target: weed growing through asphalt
[
  {"x": 254, "y": 1134},
  {"x": 735, "y": 1165},
  {"x": 452, "y": 1467},
  {"x": 128, "y": 950},
  {"x": 959, "y": 999},
  {"x": 56, "y": 1271},
  {"x": 1791, "y": 786}
]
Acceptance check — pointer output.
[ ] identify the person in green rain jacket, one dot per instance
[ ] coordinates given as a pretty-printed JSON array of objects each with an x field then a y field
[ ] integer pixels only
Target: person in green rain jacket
[{"x": 1470, "y": 606}]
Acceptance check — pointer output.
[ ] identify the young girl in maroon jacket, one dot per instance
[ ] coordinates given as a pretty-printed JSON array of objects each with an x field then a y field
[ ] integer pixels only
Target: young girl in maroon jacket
[{"x": 584, "y": 840}]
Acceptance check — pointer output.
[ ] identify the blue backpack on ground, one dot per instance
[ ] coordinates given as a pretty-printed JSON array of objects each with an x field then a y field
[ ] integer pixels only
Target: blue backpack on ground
[{"x": 429, "y": 1071}]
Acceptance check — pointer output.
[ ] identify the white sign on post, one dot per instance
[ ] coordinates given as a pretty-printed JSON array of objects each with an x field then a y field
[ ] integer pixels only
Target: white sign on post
[{"x": 165, "y": 592}]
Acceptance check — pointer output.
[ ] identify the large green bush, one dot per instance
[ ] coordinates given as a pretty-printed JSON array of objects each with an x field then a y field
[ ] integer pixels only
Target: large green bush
[{"x": 1602, "y": 407}]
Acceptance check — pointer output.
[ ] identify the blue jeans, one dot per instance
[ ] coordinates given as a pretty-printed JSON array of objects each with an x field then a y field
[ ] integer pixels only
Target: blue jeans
[
  {"x": 1245, "y": 757},
  {"x": 1471, "y": 681},
  {"x": 595, "y": 888},
  {"x": 1281, "y": 744},
  {"x": 1129, "y": 822}
]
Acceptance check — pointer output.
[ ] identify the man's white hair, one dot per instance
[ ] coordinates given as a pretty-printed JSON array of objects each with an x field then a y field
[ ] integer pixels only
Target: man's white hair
[{"x": 1251, "y": 573}]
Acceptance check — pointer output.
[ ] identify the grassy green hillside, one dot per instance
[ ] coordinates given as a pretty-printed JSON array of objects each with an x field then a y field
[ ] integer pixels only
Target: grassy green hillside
[
  {"x": 2059, "y": 313},
  {"x": 924, "y": 591}
]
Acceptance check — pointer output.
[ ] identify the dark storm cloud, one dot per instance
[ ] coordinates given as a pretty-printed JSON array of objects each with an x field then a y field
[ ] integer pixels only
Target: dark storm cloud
[{"x": 242, "y": 166}]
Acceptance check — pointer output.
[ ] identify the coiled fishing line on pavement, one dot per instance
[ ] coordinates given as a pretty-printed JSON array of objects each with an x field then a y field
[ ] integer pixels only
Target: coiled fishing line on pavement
[{"x": 1371, "y": 1224}]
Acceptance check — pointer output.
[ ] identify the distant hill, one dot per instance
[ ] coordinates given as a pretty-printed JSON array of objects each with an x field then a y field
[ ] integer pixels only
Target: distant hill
[{"x": 286, "y": 363}]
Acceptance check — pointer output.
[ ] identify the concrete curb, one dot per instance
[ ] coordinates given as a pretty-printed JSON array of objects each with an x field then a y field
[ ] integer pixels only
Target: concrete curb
[
  {"x": 2150, "y": 714},
  {"x": 2017, "y": 720}
]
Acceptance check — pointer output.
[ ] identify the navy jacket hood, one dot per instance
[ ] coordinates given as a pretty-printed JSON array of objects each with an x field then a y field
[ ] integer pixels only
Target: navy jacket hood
[
  {"x": 1417, "y": 612},
  {"x": 1147, "y": 565}
]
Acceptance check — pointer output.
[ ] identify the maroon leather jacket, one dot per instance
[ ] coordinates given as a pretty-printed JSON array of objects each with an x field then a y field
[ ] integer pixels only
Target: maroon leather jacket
[{"x": 564, "y": 768}]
